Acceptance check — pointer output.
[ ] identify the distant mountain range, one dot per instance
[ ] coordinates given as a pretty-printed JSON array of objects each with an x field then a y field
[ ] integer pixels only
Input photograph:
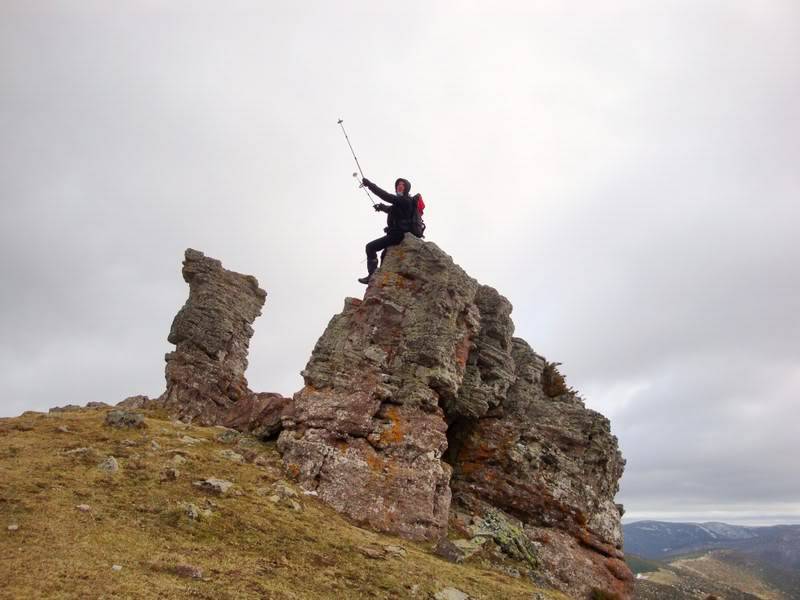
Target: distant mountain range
[
  {"x": 704, "y": 555},
  {"x": 779, "y": 544}
]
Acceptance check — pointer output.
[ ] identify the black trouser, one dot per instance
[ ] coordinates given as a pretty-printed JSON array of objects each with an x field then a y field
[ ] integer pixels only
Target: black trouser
[{"x": 390, "y": 239}]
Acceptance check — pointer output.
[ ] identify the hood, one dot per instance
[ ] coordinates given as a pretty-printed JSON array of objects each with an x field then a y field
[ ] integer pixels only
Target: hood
[{"x": 407, "y": 182}]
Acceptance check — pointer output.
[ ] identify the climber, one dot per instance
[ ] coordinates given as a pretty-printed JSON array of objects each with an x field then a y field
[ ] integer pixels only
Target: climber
[{"x": 401, "y": 210}]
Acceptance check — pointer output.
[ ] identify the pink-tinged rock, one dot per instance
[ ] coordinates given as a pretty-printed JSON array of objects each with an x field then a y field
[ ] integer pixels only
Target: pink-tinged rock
[
  {"x": 419, "y": 381},
  {"x": 550, "y": 462},
  {"x": 205, "y": 373},
  {"x": 258, "y": 414},
  {"x": 367, "y": 431},
  {"x": 576, "y": 570}
]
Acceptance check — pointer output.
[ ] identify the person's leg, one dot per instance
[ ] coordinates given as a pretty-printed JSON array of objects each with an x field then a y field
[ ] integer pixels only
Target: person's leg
[
  {"x": 372, "y": 256},
  {"x": 376, "y": 246}
]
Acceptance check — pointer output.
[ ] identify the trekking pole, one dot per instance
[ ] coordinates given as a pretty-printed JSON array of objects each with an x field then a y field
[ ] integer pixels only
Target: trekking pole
[{"x": 366, "y": 191}]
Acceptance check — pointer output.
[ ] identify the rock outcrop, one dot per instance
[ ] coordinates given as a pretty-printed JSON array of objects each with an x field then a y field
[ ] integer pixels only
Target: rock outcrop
[
  {"x": 368, "y": 429},
  {"x": 421, "y": 415},
  {"x": 553, "y": 464},
  {"x": 419, "y": 405},
  {"x": 206, "y": 373}
]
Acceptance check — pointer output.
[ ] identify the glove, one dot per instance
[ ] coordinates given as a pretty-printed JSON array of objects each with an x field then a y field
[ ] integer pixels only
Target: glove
[
  {"x": 377, "y": 208},
  {"x": 365, "y": 182}
]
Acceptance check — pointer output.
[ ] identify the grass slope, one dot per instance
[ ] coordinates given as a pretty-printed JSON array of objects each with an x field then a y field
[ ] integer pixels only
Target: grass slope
[
  {"x": 248, "y": 547},
  {"x": 703, "y": 575}
]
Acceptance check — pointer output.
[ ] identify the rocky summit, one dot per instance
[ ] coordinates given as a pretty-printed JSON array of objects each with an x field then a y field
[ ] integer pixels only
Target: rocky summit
[{"x": 421, "y": 416}]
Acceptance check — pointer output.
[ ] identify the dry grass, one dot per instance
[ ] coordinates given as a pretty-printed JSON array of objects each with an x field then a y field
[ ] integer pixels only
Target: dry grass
[
  {"x": 250, "y": 547},
  {"x": 553, "y": 381},
  {"x": 712, "y": 568}
]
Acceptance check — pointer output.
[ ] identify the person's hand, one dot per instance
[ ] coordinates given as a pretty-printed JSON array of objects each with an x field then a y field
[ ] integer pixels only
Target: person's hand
[
  {"x": 365, "y": 181},
  {"x": 377, "y": 207}
]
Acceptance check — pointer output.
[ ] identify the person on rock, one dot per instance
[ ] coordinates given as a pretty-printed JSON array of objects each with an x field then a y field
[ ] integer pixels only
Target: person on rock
[{"x": 401, "y": 209}]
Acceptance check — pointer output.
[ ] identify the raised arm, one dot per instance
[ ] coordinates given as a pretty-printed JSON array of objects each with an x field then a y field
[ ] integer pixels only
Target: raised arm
[{"x": 382, "y": 194}]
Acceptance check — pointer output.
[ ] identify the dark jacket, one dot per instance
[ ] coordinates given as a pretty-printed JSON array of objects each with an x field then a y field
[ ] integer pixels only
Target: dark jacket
[{"x": 401, "y": 208}]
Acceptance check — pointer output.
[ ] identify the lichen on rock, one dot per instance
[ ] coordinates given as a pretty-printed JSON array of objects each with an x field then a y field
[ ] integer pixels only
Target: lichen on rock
[
  {"x": 368, "y": 429},
  {"x": 206, "y": 373},
  {"x": 418, "y": 399},
  {"x": 423, "y": 379}
]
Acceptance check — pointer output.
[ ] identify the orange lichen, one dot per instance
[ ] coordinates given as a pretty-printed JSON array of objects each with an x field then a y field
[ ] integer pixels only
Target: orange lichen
[
  {"x": 375, "y": 462},
  {"x": 477, "y": 453},
  {"x": 396, "y": 280},
  {"x": 396, "y": 430}
]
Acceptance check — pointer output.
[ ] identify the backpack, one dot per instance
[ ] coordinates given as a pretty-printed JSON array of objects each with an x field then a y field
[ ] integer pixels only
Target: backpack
[{"x": 417, "y": 224}]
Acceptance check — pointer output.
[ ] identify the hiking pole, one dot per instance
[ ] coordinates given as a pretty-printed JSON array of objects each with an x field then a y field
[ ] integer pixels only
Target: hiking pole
[{"x": 366, "y": 191}]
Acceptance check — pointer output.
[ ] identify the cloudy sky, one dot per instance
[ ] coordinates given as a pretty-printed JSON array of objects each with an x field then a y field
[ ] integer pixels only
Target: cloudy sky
[{"x": 626, "y": 173}]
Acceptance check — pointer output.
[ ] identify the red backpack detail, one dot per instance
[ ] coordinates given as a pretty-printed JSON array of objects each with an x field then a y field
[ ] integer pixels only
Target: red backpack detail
[{"x": 417, "y": 224}]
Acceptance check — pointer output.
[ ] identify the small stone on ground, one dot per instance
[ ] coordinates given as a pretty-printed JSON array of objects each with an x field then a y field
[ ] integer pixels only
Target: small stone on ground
[
  {"x": 109, "y": 465},
  {"x": 214, "y": 485},
  {"x": 125, "y": 418},
  {"x": 451, "y": 593}
]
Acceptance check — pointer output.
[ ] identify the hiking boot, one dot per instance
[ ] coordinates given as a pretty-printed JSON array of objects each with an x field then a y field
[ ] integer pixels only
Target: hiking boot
[{"x": 371, "y": 266}]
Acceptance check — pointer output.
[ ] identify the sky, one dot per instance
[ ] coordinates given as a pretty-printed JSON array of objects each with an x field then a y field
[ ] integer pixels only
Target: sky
[{"x": 626, "y": 173}]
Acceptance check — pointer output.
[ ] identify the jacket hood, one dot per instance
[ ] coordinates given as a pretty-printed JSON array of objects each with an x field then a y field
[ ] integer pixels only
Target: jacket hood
[{"x": 408, "y": 185}]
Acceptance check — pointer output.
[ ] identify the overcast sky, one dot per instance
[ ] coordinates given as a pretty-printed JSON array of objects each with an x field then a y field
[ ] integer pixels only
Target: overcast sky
[{"x": 626, "y": 173}]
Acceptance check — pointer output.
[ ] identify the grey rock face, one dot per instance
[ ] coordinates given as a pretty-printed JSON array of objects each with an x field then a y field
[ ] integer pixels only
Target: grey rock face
[
  {"x": 205, "y": 373},
  {"x": 490, "y": 367},
  {"x": 426, "y": 364},
  {"x": 550, "y": 459},
  {"x": 368, "y": 432},
  {"x": 552, "y": 463},
  {"x": 415, "y": 397}
]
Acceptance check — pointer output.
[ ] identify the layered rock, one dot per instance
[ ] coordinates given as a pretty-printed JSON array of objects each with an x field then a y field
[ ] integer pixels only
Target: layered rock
[
  {"x": 206, "y": 373},
  {"x": 368, "y": 431},
  {"x": 553, "y": 464},
  {"x": 423, "y": 378},
  {"x": 420, "y": 412}
]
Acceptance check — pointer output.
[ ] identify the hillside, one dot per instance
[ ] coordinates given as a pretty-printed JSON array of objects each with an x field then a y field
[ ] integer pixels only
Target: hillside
[
  {"x": 778, "y": 544},
  {"x": 761, "y": 561},
  {"x": 421, "y": 417},
  {"x": 71, "y": 529},
  {"x": 720, "y": 573}
]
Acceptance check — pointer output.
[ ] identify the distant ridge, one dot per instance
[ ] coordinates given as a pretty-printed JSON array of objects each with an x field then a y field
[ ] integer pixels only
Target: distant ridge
[{"x": 778, "y": 544}]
